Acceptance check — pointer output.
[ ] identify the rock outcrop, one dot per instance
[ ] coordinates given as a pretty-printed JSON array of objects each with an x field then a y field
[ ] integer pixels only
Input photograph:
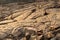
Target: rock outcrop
[{"x": 35, "y": 21}]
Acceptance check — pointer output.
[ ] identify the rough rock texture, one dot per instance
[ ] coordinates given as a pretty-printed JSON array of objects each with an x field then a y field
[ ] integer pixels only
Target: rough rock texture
[{"x": 35, "y": 21}]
